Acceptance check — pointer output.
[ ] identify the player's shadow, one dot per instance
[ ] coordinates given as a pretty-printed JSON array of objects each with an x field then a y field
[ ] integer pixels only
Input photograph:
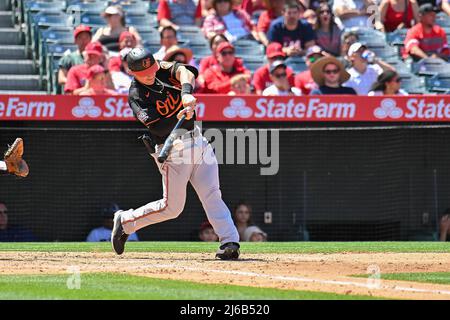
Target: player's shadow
[{"x": 236, "y": 261}]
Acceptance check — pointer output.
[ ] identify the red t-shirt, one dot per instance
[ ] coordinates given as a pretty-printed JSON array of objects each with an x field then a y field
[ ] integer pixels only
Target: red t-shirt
[
  {"x": 209, "y": 61},
  {"x": 394, "y": 18},
  {"x": 305, "y": 82},
  {"x": 217, "y": 81},
  {"x": 76, "y": 77},
  {"x": 264, "y": 21},
  {"x": 261, "y": 78},
  {"x": 433, "y": 42},
  {"x": 164, "y": 11}
]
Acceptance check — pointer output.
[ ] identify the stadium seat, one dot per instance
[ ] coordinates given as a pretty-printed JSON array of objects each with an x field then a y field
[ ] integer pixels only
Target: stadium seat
[
  {"x": 36, "y": 6},
  {"x": 431, "y": 67},
  {"x": 92, "y": 20},
  {"x": 136, "y": 7},
  {"x": 412, "y": 83},
  {"x": 384, "y": 51},
  {"x": 443, "y": 20},
  {"x": 397, "y": 37},
  {"x": 440, "y": 83},
  {"x": 141, "y": 20},
  {"x": 297, "y": 64},
  {"x": 86, "y": 7}
]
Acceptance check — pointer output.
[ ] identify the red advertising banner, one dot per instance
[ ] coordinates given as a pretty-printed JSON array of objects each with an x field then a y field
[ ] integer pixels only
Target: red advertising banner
[{"x": 235, "y": 108}]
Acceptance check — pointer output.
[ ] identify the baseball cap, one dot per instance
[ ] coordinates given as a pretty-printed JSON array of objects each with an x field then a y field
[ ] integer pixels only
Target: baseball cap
[
  {"x": 276, "y": 64},
  {"x": 427, "y": 7},
  {"x": 223, "y": 46},
  {"x": 126, "y": 34},
  {"x": 355, "y": 47},
  {"x": 113, "y": 10},
  {"x": 94, "y": 48},
  {"x": 81, "y": 28},
  {"x": 275, "y": 49},
  {"x": 313, "y": 50},
  {"x": 251, "y": 230},
  {"x": 94, "y": 70},
  {"x": 141, "y": 62}
]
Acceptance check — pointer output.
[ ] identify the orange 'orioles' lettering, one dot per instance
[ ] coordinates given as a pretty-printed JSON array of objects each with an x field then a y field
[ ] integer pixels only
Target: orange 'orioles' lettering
[{"x": 170, "y": 106}]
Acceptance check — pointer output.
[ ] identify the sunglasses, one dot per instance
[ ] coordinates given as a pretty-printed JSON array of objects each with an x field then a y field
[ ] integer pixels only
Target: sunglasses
[
  {"x": 280, "y": 75},
  {"x": 325, "y": 11},
  {"x": 331, "y": 71},
  {"x": 398, "y": 80},
  {"x": 227, "y": 53}
]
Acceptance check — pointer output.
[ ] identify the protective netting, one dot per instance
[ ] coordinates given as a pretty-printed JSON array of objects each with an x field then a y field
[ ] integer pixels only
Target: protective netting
[{"x": 387, "y": 183}]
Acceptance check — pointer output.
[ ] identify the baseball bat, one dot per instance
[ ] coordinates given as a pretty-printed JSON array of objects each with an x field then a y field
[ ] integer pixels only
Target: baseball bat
[{"x": 168, "y": 144}]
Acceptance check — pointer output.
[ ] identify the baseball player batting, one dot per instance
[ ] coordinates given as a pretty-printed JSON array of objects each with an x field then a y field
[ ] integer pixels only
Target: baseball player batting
[
  {"x": 13, "y": 162},
  {"x": 161, "y": 98}
]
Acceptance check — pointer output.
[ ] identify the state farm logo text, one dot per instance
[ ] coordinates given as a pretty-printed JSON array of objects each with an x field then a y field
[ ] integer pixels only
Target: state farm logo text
[
  {"x": 16, "y": 108},
  {"x": 113, "y": 108}
]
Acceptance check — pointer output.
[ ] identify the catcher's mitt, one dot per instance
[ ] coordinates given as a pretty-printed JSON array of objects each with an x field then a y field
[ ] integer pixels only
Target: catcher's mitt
[{"x": 13, "y": 159}]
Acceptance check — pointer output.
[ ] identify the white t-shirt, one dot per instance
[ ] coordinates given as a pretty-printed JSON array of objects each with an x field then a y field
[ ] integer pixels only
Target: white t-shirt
[
  {"x": 401, "y": 92},
  {"x": 160, "y": 54},
  {"x": 359, "y": 21},
  {"x": 122, "y": 82},
  {"x": 363, "y": 82},
  {"x": 274, "y": 91},
  {"x": 104, "y": 234},
  {"x": 235, "y": 26}
]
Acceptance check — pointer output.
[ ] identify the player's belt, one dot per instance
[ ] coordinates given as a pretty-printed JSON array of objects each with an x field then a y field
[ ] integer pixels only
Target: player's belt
[{"x": 192, "y": 134}]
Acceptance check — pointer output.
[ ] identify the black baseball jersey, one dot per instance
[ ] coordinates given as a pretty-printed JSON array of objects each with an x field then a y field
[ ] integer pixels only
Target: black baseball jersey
[{"x": 157, "y": 106}]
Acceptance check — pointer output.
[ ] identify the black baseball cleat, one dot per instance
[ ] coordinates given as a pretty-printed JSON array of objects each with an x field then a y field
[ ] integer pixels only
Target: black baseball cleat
[
  {"x": 228, "y": 251},
  {"x": 118, "y": 236}
]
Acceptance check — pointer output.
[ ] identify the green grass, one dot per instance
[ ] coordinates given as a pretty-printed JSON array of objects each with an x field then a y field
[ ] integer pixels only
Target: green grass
[
  {"x": 117, "y": 286},
  {"x": 428, "y": 277},
  {"x": 266, "y": 247}
]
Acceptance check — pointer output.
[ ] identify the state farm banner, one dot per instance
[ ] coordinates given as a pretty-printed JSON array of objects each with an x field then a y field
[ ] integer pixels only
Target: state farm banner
[{"x": 233, "y": 108}]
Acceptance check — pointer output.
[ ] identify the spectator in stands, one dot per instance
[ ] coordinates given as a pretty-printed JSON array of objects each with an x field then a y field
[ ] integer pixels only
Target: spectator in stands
[
  {"x": 254, "y": 234},
  {"x": 327, "y": 32},
  {"x": 388, "y": 83},
  {"x": 304, "y": 80},
  {"x": 109, "y": 35},
  {"x": 168, "y": 36},
  {"x": 426, "y": 39},
  {"x": 97, "y": 83},
  {"x": 121, "y": 77},
  {"x": 347, "y": 39},
  {"x": 12, "y": 233},
  {"x": 311, "y": 4},
  {"x": 366, "y": 68},
  {"x": 242, "y": 214},
  {"x": 274, "y": 11},
  {"x": 233, "y": 23},
  {"x": 182, "y": 55},
  {"x": 82, "y": 35},
  {"x": 444, "y": 226},
  {"x": 206, "y": 233},
  {"x": 252, "y": 6},
  {"x": 398, "y": 14},
  {"x": 310, "y": 16},
  {"x": 329, "y": 74},
  {"x": 217, "y": 78},
  {"x": 445, "y": 6},
  {"x": 261, "y": 77},
  {"x": 240, "y": 85},
  {"x": 103, "y": 233},
  {"x": 353, "y": 13},
  {"x": 294, "y": 34},
  {"x": 77, "y": 76},
  {"x": 176, "y": 13},
  {"x": 211, "y": 60},
  {"x": 281, "y": 85},
  {"x": 126, "y": 40}
]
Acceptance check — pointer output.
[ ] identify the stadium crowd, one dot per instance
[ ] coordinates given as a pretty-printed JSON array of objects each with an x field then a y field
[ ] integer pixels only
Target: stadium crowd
[{"x": 318, "y": 32}]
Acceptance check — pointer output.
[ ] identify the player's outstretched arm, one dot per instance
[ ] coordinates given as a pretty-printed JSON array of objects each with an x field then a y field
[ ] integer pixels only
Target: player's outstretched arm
[{"x": 187, "y": 80}]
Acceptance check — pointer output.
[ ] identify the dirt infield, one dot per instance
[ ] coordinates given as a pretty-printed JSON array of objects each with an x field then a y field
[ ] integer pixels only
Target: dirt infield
[{"x": 317, "y": 272}]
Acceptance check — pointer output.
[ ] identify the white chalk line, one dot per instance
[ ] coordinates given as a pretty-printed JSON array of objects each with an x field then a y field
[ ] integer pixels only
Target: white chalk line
[{"x": 301, "y": 279}]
